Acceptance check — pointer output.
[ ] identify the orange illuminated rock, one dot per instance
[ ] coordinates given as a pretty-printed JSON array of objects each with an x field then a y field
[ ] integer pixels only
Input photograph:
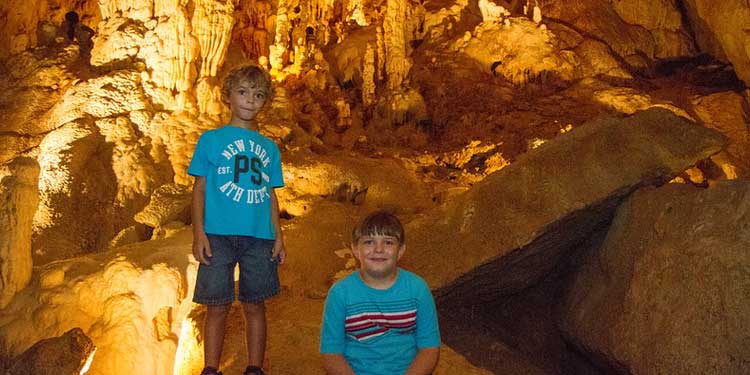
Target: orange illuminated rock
[
  {"x": 509, "y": 230},
  {"x": 18, "y": 200},
  {"x": 667, "y": 291},
  {"x": 64, "y": 355}
]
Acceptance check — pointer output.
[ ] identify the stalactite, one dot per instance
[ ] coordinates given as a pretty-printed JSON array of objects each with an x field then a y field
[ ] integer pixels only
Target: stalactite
[
  {"x": 368, "y": 76},
  {"x": 281, "y": 39},
  {"x": 170, "y": 51},
  {"x": 397, "y": 61},
  {"x": 254, "y": 29},
  {"x": 381, "y": 54},
  {"x": 212, "y": 25}
]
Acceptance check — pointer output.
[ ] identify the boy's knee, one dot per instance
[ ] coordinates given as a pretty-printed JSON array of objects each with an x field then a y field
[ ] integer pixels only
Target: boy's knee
[
  {"x": 217, "y": 310},
  {"x": 254, "y": 308}
]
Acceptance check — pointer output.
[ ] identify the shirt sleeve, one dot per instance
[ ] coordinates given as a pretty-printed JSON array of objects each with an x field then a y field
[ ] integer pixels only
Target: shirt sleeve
[
  {"x": 332, "y": 334},
  {"x": 428, "y": 331},
  {"x": 277, "y": 175},
  {"x": 199, "y": 163}
]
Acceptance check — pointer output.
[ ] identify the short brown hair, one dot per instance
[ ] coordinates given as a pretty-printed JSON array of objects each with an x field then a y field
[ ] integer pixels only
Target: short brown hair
[
  {"x": 253, "y": 74},
  {"x": 379, "y": 223}
]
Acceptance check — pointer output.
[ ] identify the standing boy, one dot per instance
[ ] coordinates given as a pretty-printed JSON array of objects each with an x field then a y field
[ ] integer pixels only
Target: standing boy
[
  {"x": 236, "y": 217},
  {"x": 380, "y": 320}
]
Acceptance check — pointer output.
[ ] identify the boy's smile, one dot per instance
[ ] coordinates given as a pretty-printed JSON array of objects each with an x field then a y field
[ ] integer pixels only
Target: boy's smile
[{"x": 378, "y": 256}]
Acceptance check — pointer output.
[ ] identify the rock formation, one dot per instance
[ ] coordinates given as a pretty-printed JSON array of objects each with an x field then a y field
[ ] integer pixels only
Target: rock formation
[
  {"x": 667, "y": 291},
  {"x": 68, "y": 354},
  {"x": 19, "y": 197},
  {"x": 470, "y": 119},
  {"x": 518, "y": 222}
]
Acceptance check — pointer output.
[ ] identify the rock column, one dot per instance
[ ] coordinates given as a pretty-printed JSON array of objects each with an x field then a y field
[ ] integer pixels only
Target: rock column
[{"x": 18, "y": 200}]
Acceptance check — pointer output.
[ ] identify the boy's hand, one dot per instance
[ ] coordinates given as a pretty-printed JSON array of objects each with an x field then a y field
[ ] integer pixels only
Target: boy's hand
[
  {"x": 279, "y": 251},
  {"x": 202, "y": 248}
]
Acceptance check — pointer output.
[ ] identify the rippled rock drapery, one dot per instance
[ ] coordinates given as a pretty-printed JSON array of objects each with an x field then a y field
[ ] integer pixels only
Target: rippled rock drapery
[
  {"x": 510, "y": 229},
  {"x": 669, "y": 290}
]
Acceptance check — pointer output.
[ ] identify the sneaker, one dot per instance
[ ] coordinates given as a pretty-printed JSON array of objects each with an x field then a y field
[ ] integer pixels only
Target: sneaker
[
  {"x": 253, "y": 370},
  {"x": 210, "y": 371}
]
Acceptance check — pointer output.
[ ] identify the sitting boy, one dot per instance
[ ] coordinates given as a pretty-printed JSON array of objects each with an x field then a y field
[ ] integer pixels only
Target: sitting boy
[{"x": 380, "y": 320}]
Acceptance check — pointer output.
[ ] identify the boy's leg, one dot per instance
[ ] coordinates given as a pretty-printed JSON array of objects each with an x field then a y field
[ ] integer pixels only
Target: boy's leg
[
  {"x": 214, "y": 287},
  {"x": 255, "y": 331},
  {"x": 259, "y": 280},
  {"x": 216, "y": 319}
]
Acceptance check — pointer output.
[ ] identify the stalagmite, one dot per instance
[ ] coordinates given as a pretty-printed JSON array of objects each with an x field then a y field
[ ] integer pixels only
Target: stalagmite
[{"x": 18, "y": 199}]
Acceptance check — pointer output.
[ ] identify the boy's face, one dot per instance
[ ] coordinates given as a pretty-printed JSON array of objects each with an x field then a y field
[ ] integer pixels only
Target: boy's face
[
  {"x": 378, "y": 255},
  {"x": 246, "y": 101}
]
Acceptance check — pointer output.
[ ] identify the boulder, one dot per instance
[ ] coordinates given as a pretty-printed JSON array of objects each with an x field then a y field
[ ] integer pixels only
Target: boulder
[
  {"x": 511, "y": 229},
  {"x": 668, "y": 292},
  {"x": 65, "y": 355},
  {"x": 18, "y": 201}
]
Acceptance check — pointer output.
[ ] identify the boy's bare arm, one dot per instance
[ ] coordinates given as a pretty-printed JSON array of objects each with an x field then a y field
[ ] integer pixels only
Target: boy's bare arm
[
  {"x": 425, "y": 362},
  {"x": 336, "y": 364},
  {"x": 201, "y": 247},
  {"x": 279, "y": 250}
]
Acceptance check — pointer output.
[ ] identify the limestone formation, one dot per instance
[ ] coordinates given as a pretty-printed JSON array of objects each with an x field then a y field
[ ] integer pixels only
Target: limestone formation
[
  {"x": 116, "y": 94},
  {"x": 119, "y": 39},
  {"x": 374, "y": 183},
  {"x": 512, "y": 228},
  {"x": 667, "y": 292},
  {"x": 729, "y": 113},
  {"x": 33, "y": 85},
  {"x": 350, "y": 60},
  {"x": 131, "y": 302},
  {"x": 395, "y": 34},
  {"x": 18, "y": 200},
  {"x": 403, "y": 105},
  {"x": 76, "y": 191},
  {"x": 525, "y": 52},
  {"x": 170, "y": 51},
  {"x": 66, "y": 355},
  {"x": 720, "y": 29},
  {"x": 137, "y": 168},
  {"x": 639, "y": 31},
  {"x": 169, "y": 202},
  {"x": 212, "y": 25}
]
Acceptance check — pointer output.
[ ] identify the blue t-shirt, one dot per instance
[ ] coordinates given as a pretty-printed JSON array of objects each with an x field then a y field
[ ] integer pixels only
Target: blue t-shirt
[
  {"x": 241, "y": 167},
  {"x": 379, "y": 331}
]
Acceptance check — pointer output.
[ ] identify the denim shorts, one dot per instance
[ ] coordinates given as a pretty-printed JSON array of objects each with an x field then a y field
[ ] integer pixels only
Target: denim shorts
[{"x": 259, "y": 278}]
